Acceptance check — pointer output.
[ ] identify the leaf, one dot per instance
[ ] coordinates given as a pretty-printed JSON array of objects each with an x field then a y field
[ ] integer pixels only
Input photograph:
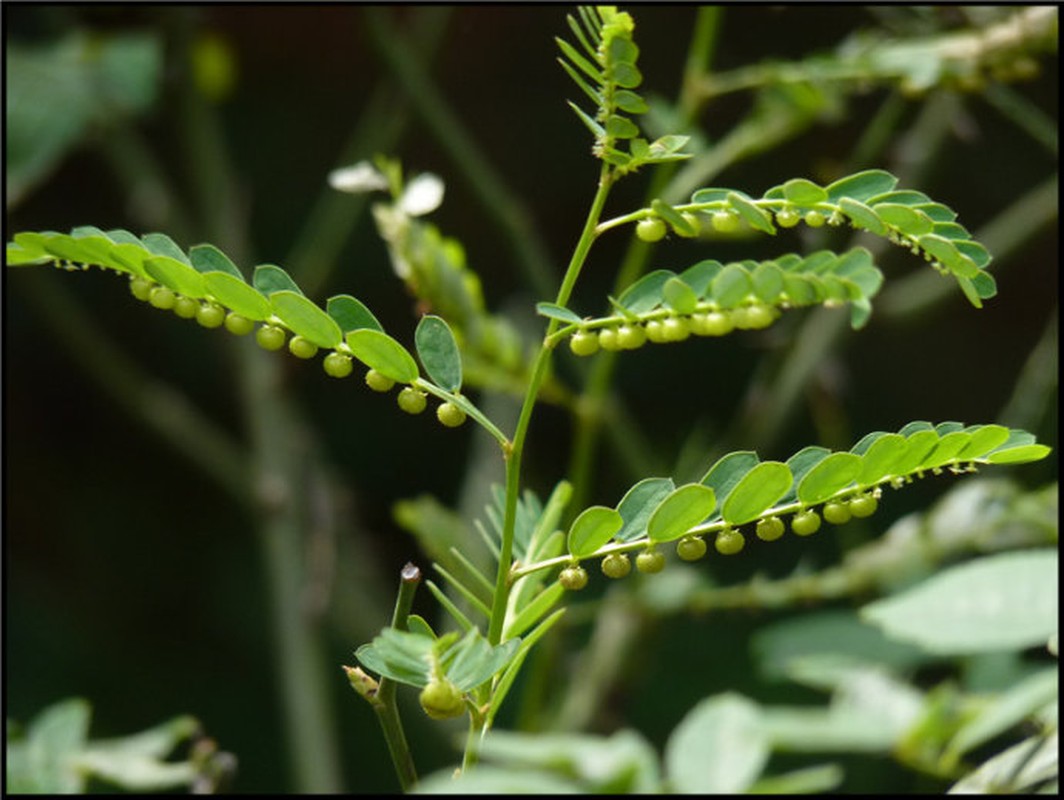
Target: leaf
[
  {"x": 731, "y": 286},
  {"x": 725, "y": 475},
  {"x": 998, "y": 602},
  {"x": 236, "y": 295},
  {"x": 304, "y": 318},
  {"x": 756, "y": 491},
  {"x": 681, "y": 510},
  {"x": 880, "y": 459},
  {"x": 862, "y": 185},
  {"x": 351, "y": 314},
  {"x": 947, "y": 253},
  {"x": 832, "y": 474},
  {"x": 862, "y": 216},
  {"x": 803, "y": 192},
  {"x": 402, "y": 656},
  {"x": 439, "y": 353},
  {"x": 162, "y": 245},
  {"x": 756, "y": 217},
  {"x": 646, "y": 293},
  {"x": 208, "y": 258},
  {"x": 592, "y": 529},
  {"x": 908, "y": 220},
  {"x": 680, "y": 297},
  {"x": 379, "y": 351},
  {"x": 471, "y": 661},
  {"x": 720, "y": 747},
  {"x": 269, "y": 278},
  {"x": 176, "y": 275},
  {"x": 557, "y": 312},
  {"x": 639, "y": 503}
]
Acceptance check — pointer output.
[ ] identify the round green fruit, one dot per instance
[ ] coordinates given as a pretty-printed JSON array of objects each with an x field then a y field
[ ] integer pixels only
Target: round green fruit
[
  {"x": 787, "y": 217},
  {"x": 675, "y": 329},
  {"x": 584, "y": 343},
  {"x": 836, "y": 513},
  {"x": 378, "y": 382},
  {"x": 616, "y": 565},
  {"x": 270, "y": 337},
  {"x": 651, "y": 229},
  {"x": 650, "y": 561},
  {"x": 694, "y": 225},
  {"x": 186, "y": 307},
  {"x": 573, "y": 578},
  {"x": 161, "y": 297},
  {"x": 729, "y": 542},
  {"x": 441, "y": 699},
  {"x": 725, "y": 222},
  {"x": 769, "y": 529},
  {"x": 805, "y": 523},
  {"x": 412, "y": 400},
  {"x": 238, "y": 325},
  {"x": 210, "y": 315},
  {"x": 609, "y": 340},
  {"x": 754, "y": 317},
  {"x": 631, "y": 337},
  {"x": 814, "y": 219},
  {"x": 450, "y": 414},
  {"x": 337, "y": 365},
  {"x": 691, "y": 548},
  {"x": 140, "y": 287},
  {"x": 656, "y": 331},
  {"x": 864, "y": 505},
  {"x": 712, "y": 323},
  {"x": 301, "y": 347}
]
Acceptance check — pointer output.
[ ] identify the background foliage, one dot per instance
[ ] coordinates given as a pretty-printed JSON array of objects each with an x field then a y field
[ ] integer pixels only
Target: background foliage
[{"x": 136, "y": 582}]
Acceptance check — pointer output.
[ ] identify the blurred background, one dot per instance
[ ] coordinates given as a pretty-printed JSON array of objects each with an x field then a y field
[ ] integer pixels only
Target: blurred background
[{"x": 140, "y": 571}]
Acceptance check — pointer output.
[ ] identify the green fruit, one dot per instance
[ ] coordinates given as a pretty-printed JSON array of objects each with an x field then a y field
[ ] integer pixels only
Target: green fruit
[
  {"x": 712, "y": 323},
  {"x": 651, "y": 229},
  {"x": 693, "y": 221},
  {"x": 616, "y": 565},
  {"x": 863, "y": 505},
  {"x": 805, "y": 523},
  {"x": 725, "y": 221},
  {"x": 161, "y": 297},
  {"x": 608, "y": 339},
  {"x": 378, "y": 382},
  {"x": 769, "y": 529},
  {"x": 814, "y": 219},
  {"x": 270, "y": 337},
  {"x": 729, "y": 542},
  {"x": 140, "y": 287},
  {"x": 412, "y": 400},
  {"x": 302, "y": 348},
  {"x": 656, "y": 331},
  {"x": 754, "y": 317},
  {"x": 788, "y": 218},
  {"x": 337, "y": 365},
  {"x": 836, "y": 513},
  {"x": 675, "y": 329},
  {"x": 186, "y": 307},
  {"x": 238, "y": 325},
  {"x": 691, "y": 548},
  {"x": 573, "y": 578},
  {"x": 631, "y": 337},
  {"x": 210, "y": 315},
  {"x": 584, "y": 343},
  {"x": 441, "y": 699},
  {"x": 650, "y": 561},
  {"x": 450, "y": 415}
]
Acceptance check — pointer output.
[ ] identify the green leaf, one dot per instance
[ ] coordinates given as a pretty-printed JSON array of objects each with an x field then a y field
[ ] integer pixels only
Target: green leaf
[
  {"x": 673, "y": 217},
  {"x": 732, "y": 286},
  {"x": 351, "y": 314},
  {"x": 621, "y": 127},
  {"x": 756, "y": 217},
  {"x": 305, "y": 318},
  {"x": 162, "y": 245},
  {"x": 269, "y": 278},
  {"x": 632, "y": 103},
  {"x": 907, "y": 220},
  {"x": 379, "y": 351},
  {"x": 862, "y": 185},
  {"x": 681, "y": 510},
  {"x": 998, "y": 602},
  {"x": 557, "y": 312},
  {"x": 862, "y": 216},
  {"x": 438, "y": 350},
  {"x": 767, "y": 282},
  {"x": 833, "y": 473},
  {"x": 639, "y": 503},
  {"x": 471, "y": 660},
  {"x": 756, "y": 491},
  {"x": 1019, "y": 455},
  {"x": 880, "y": 459},
  {"x": 984, "y": 439},
  {"x": 947, "y": 253},
  {"x": 235, "y": 294},
  {"x": 208, "y": 258},
  {"x": 402, "y": 656},
  {"x": 720, "y": 747},
  {"x": 725, "y": 475},
  {"x": 803, "y": 192},
  {"x": 680, "y": 297},
  {"x": 176, "y": 275},
  {"x": 592, "y": 529},
  {"x": 646, "y": 293}
]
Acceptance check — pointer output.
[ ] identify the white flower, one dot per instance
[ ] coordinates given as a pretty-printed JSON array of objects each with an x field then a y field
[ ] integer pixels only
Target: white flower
[
  {"x": 422, "y": 195},
  {"x": 361, "y": 177}
]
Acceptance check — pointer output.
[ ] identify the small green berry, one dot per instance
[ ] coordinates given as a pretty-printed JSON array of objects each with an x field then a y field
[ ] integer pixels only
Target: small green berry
[
  {"x": 441, "y": 699},
  {"x": 616, "y": 565},
  {"x": 238, "y": 325},
  {"x": 837, "y": 513},
  {"x": 694, "y": 225},
  {"x": 337, "y": 365},
  {"x": 140, "y": 287},
  {"x": 270, "y": 337},
  {"x": 609, "y": 340},
  {"x": 573, "y": 578},
  {"x": 378, "y": 382},
  {"x": 691, "y": 548},
  {"x": 412, "y": 400},
  {"x": 729, "y": 542},
  {"x": 302, "y": 348},
  {"x": 656, "y": 331},
  {"x": 753, "y": 317},
  {"x": 651, "y": 229},
  {"x": 814, "y": 219},
  {"x": 712, "y": 323},
  {"x": 161, "y": 297},
  {"x": 631, "y": 337},
  {"x": 805, "y": 523},
  {"x": 210, "y": 315},
  {"x": 650, "y": 561},
  {"x": 769, "y": 529},
  {"x": 450, "y": 414},
  {"x": 186, "y": 307},
  {"x": 787, "y": 218},
  {"x": 725, "y": 221},
  {"x": 863, "y": 505},
  {"x": 584, "y": 343},
  {"x": 675, "y": 329}
]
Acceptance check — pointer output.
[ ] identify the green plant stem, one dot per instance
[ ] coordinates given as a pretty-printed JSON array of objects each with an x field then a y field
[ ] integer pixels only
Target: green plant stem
[{"x": 539, "y": 372}]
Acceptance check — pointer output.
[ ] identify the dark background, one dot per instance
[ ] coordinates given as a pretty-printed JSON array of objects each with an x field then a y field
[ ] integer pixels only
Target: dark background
[{"x": 130, "y": 580}]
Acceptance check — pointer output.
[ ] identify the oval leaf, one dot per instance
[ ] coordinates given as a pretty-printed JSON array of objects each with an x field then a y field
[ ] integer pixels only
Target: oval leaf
[
  {"x": 639, "y": 503},
  {"x": 379, "y": 351},
  {"x": 176, "y": 275},
  {"x": 438, "y": 351},
  {"x": 592, "y": 529},
  {"x": 351, "y": 314},
  {"x": 236, "y": 295},
  {"x": 208, "y": 258},
  {"x": 833, "y": 473},
  {"x": 680, "y": 297},
  {"x": 680, "y": 511},
  {"x": 759, "y": 489},
  {"x": 306, "y": 319}
]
